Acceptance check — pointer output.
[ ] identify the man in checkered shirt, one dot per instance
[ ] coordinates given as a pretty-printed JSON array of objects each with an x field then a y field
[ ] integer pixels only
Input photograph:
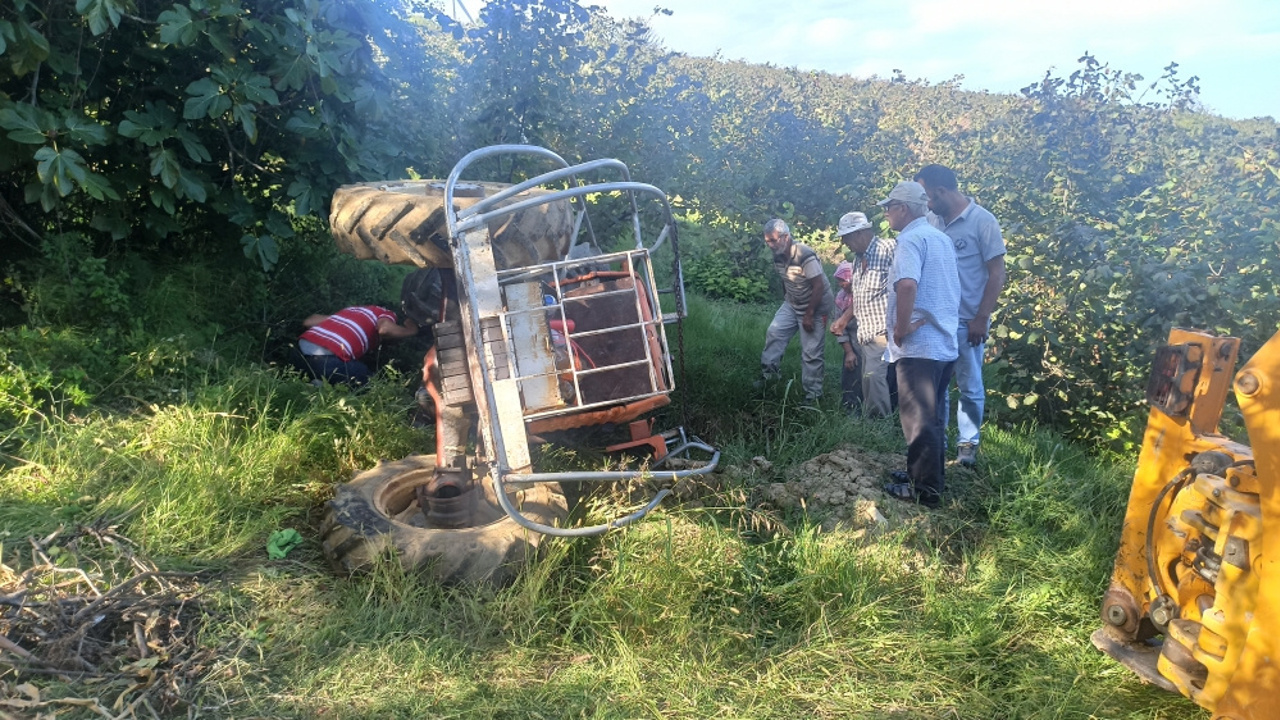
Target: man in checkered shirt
[{"x": 869, "y": 288}]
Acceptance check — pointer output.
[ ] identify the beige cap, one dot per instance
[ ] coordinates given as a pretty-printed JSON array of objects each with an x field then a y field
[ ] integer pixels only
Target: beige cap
[{"x": 910, "y": 193}]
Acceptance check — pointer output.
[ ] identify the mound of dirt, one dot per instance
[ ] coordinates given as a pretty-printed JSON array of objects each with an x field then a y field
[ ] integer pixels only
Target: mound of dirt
[{"x": 842, "y": 490}]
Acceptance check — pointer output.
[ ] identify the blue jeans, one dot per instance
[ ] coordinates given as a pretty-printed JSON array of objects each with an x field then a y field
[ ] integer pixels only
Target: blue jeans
[
  {"x": 973, "y": 396},
  {"x": 331, "y": 368}
]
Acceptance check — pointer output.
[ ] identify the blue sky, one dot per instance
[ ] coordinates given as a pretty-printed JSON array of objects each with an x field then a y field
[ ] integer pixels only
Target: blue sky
[{"x": 997, "y": 45}]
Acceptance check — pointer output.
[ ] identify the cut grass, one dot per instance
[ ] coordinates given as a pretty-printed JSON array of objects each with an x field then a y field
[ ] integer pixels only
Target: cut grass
[{"x": 984, "y": 612}]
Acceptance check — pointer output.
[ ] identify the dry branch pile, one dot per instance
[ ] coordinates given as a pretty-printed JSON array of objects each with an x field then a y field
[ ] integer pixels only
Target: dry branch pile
[{"x": 87, "y": 610}]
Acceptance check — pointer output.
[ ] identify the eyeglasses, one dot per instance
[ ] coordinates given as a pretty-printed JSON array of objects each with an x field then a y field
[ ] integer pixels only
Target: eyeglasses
[{"x": 892, "y": 205}]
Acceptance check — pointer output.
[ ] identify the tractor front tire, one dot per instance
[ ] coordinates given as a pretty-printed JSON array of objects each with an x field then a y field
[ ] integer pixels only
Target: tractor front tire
[
  {"x": 377, "y": 512},
  {"x": 403, "y": 223}
]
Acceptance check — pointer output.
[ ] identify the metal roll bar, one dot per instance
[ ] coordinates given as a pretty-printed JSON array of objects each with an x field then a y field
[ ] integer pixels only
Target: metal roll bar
[{"x": 477, "y": 217}]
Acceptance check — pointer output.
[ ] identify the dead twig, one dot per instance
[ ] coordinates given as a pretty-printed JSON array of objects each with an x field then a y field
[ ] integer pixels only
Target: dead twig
[
  {"x": 13, "y": 648},
  {"x": 122, "y": 619},
  {"x": 119, "y": 590}
]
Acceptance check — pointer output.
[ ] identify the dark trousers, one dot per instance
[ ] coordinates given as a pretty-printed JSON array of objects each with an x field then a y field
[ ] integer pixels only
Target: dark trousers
[
  {"x": 331, "y": 368},
  {"x": 893, "y": 386},
  {"x": 921, "y": 387}
]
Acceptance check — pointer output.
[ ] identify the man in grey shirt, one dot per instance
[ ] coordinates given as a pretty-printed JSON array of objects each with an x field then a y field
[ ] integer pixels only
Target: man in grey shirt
[
  {"x": 980, "y": 252},
  {"x": 923, "y": 310},
  {"x": 807, "y": 306}
]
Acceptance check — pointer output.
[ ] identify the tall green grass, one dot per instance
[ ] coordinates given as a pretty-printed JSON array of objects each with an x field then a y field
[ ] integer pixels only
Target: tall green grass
[
  {"x": 211, "y": 477},
  {"x": 983, "y": 610}
]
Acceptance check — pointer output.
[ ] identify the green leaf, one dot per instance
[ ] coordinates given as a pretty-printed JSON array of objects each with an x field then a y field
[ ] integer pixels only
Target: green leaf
[
  {"x": 292, "y": 74},
  {"x": 6, "y": 35},
  {"x": 35, "y": 49},
  {"x": 131, "y": 129},
  {"x": 221, "y": 41},
  {"x": 248, "y": 120},
  {"x": 257, "y": 89},
  {"x": 268, "y": 251},
  {"x": 166, "y": 167},
  {"x": 305, "y": 197},
  {"x": 83, "y": 130},
  {"x": 304, "y": 124},
  {"x": 195, "y": 149},
  {"x": 240, "y": 212},
  {"x": 45, "y": 194},
  {"x": 110, "y": 221},
  {"x": 152, "y": 126},
  {"x": 27, "y": 124},
  {"x": 179, "y": 27},
  {"x": 278, "y": 225},
  {"x": 190, "y": 185},
  {"x": 207, "y": 100},
  {"x": 99, "y": 187},
  {"x": 263, "y": 249},
  {"x": 162, "y": 197},
  {"x": 101, "y": 14},
  {"x": 56, "y": 168}
]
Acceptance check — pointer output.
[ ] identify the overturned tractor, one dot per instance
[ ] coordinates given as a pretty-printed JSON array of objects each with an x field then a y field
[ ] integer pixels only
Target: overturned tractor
[{"x": 536, "y": 329}]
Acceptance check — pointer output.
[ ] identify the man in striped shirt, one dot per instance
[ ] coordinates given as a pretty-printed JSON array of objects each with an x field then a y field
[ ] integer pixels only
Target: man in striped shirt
[
  {"x": 869, "y": 290},
  {"x": 333, "y": 345}
]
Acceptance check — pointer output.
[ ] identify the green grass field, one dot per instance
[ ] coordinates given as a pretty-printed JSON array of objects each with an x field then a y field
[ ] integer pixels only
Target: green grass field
[{"x": 719, "y": 608}]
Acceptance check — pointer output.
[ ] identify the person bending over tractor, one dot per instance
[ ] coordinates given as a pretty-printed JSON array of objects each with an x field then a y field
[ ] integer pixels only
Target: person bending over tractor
[{"x": 333, "y": 345}]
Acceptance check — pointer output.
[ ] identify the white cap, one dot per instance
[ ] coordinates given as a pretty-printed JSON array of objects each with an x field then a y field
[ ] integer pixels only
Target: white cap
[{"x": 852, "y": 222}]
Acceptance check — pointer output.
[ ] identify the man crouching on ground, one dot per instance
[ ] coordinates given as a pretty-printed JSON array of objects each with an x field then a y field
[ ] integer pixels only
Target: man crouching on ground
[{"x": 807, "y": 306}]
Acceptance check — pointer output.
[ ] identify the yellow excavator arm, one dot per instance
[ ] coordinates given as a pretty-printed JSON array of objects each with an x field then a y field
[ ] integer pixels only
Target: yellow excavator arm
[{"x": 1194, "y": 600}]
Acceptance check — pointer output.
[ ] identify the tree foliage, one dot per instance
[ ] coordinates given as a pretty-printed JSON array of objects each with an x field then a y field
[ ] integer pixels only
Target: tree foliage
[
  {"x": 136, "y": 133},
  {"x": 185, "y": 126}
]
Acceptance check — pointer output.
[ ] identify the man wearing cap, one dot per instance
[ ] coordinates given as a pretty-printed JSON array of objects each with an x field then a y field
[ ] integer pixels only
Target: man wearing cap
[
  {"x": 806, "y": 308},
  {"x": 980, "y": 252},
  {"x": 869, "y": 290},
  {"x": 922, "y": 312}
]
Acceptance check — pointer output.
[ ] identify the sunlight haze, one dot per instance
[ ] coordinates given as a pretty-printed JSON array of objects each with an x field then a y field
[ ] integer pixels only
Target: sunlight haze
[{"x": 996, "y": 45}]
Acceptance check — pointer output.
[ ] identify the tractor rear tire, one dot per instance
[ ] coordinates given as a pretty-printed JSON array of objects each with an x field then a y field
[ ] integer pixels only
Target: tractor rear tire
[
  {"x": 403, "y": 223},
  {"x": 372, "y": 515}
]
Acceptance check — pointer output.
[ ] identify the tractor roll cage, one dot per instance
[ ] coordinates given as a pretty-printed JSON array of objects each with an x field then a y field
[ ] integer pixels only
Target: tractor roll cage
[{"x": 496, "y": 357}]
